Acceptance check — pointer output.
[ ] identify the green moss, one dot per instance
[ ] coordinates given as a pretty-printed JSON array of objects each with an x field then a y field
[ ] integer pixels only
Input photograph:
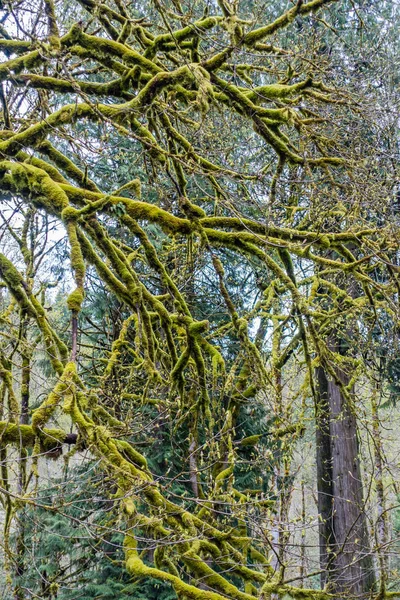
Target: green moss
[
  {"x": 29, "y": 179},
  {"x": 25, "y": 436},
  {"x": 66, "y": 165},
  {"x": 131, "y": 454},
  {"x": 16, "y": 65},
  {"x": 101, "y": 46},
  {"x": 55, "y": 347},
  {"x": 6, "y": 376},
  {"x": 16, "y": 285},
  {"x": 9, "y": 273},
  {"x": 77, "y": 261},
  {"x": 278, "y": 90},
  {"x": 65, "y": 387},
  {"x": 136, "y": 567},
  {"x": 14, "y": 46},
  {"x": 252, "y": 440},
  {"x": 198, "y": 327},
  {"x": 212, "y": 578},
  {"x": 69, "y": 213},
  {"x": 134, "y": 208},
  {"x": 192, "y": 30},
  {"x": 75, "y": 299},
  {"x": 133, "y": 185},
  {"x": 256, "y": 35}
]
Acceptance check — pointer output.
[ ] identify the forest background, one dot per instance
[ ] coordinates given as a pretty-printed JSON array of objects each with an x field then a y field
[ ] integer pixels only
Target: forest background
[{"x": 199, "y": 299}]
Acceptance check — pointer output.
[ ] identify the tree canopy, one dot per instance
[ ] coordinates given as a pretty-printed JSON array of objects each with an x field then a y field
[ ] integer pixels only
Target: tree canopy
[{"x": 221, "y": 178}]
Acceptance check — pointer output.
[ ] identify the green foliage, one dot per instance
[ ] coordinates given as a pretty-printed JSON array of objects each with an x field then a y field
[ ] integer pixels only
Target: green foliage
[{"x": 76, "y": 547}]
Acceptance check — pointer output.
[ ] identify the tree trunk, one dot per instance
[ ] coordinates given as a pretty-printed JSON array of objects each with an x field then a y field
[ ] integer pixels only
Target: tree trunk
[
  {"x": 381, "y": 522},
  {"x": 324, "y": 475},
  {"x": 344, "y": 545}
]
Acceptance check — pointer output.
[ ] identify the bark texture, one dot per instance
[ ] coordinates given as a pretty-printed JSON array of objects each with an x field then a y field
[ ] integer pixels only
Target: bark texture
[{"x": 344, "y": 540}]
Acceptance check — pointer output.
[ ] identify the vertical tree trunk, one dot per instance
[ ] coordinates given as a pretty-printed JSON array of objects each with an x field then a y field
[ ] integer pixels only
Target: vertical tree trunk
[
  {"x": 345, "y": 552},
  {"x": 25, "y": 373},
  {"x": 303, "y": 536},
  {"x": 324, "y": 475},
  {"x": 381, "y": 522},
  {"x": 23, "y": 454}
]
